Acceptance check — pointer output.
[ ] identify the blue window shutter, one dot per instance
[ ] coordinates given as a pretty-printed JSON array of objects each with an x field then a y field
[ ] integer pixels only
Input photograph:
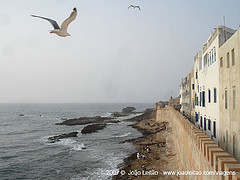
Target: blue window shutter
[{"x": 200, "y": 98}]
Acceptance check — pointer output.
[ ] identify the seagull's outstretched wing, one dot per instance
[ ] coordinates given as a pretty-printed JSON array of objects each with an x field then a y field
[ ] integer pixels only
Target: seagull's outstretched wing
[
  {"x": 130, "y": 6},
  {"x": 54, "y": 23},
  {"x": 138, "y": 7},
  {"x": 72, "y": 16}
]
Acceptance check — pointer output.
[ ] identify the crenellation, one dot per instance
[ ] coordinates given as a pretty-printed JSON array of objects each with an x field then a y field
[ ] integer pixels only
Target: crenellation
[
  {"x": 195, "y": 150},
  {"x": 225, "y": 160},
  {"x": 212, "y": 151},
  {"x": 230, "y": 168}
]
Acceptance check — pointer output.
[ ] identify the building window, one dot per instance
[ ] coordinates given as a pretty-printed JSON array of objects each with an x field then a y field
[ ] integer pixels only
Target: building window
[
  {"x": 226, "y": 99},
  {"x": 205, "y": 124},
  {"x": 200, "y": 63},
  {"x": 228, "y": 60},
  {"x": 212, "y": 57},
  {"x": 233, "y": 57},
  {"x": 201, "y": 121},
  {"x": 221, "y": 62},
  {"x": 234, "y": 145},
  {"x": 215, "y": 57},
  {"x": 196, "y": 117},
  {"x": 196, "y": 74},
  {"x": 227, "y": 140},
  {"x": 214, "y": 129},
  {"x": 195, "y": 99},
  {"x": 200, "y": 98},
  {"x": 208, "y": 59},
  {"x": 193, "y": 86},
  {"x": 209, "y": 95},
  {"x": 203, "y": 98},
  {"x": 196, "y": 103},
  {"x": 205, "y": 60},
  {"x": 215, "y": 95},
  {"x": 209, "y": 125},
  {"x": 234, "y": 99}
]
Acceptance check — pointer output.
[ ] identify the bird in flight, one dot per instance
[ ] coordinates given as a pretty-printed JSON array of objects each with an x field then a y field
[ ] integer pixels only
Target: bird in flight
[
  {"x": 63, "y": 30},
  {"x": 134, "y": 7}
]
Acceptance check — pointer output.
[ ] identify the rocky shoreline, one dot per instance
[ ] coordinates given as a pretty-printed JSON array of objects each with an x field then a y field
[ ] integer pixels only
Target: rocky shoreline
[
  {"x": 96, "y": 122},
  {"x": 85, "y": 120},
  {"x": 155, "y": 150}
]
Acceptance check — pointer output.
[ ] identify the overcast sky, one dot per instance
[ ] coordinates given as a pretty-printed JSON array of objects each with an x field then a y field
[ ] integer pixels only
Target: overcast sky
[{"x": 114, "y": 54}]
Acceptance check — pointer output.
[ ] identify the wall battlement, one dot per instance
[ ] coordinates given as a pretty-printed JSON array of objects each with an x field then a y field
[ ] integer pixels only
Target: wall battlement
[{"x": 196, "y": 151}]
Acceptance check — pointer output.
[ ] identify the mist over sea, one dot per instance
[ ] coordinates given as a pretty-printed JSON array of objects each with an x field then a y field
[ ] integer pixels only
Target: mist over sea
[{"x": 26, "y": 154}]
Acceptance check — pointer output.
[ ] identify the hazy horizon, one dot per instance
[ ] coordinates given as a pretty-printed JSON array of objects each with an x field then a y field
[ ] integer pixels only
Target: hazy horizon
[{"x": 114, "y": 54}]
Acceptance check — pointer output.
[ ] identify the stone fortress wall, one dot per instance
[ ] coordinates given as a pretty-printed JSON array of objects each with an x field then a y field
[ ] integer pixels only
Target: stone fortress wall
[{"x": 195, "y": 150}]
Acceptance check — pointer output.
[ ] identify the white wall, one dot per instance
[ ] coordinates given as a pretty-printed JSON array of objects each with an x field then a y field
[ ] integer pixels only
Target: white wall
[{"x": 208, "y": 79}]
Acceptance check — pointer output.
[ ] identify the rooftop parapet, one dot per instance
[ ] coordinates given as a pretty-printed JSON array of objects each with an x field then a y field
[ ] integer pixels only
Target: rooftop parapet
[{"x": 223, "y": 32}]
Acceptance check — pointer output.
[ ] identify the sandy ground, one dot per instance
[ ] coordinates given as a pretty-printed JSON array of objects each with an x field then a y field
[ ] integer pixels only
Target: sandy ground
[{"x": 161, "y": 157}]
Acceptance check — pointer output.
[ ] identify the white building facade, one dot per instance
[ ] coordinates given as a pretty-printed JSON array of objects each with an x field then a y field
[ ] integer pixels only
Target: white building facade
[{"x": 207, "y": 83}]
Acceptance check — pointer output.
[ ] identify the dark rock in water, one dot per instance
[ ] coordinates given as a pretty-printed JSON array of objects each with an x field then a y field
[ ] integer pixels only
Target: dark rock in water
[
  {"x": 125, "y": 112},
  {"x": 84, "y": 120},
  {"x": 93, "y": 128},
  {"x": 128, "y": 110},
  {"x": 53, "y": 139},
  {"x": 118, "y": 114},
  {"x": 112, "y": 121},
  {"x": 21, "y": 115}
]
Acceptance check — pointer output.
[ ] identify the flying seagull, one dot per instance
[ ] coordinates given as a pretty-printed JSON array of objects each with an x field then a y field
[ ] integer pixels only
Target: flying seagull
[
  {"x": 63, "y": 30},
  {"x": 134, "y": 7}
]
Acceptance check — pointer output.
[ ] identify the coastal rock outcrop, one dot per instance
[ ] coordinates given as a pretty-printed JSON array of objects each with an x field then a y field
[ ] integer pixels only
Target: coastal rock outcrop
[
  {"x": 148, "y": 113},
  {"x": 118, "y": 114},
  {"x": 125, "y": 112},
  {"x": 54, "y": 139},
  {"x": 128, "y": 110},
  {"x": 93, "y": 128},
  {"x": 85, "y": 120}
]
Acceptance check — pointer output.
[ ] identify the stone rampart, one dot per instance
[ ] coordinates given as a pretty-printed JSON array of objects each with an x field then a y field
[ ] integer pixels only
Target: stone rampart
[{"x": 197, "y": 153}]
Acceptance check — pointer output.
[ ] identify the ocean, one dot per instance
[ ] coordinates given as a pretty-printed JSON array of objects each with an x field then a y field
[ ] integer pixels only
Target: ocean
[{"x": 25, "y": 152}]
